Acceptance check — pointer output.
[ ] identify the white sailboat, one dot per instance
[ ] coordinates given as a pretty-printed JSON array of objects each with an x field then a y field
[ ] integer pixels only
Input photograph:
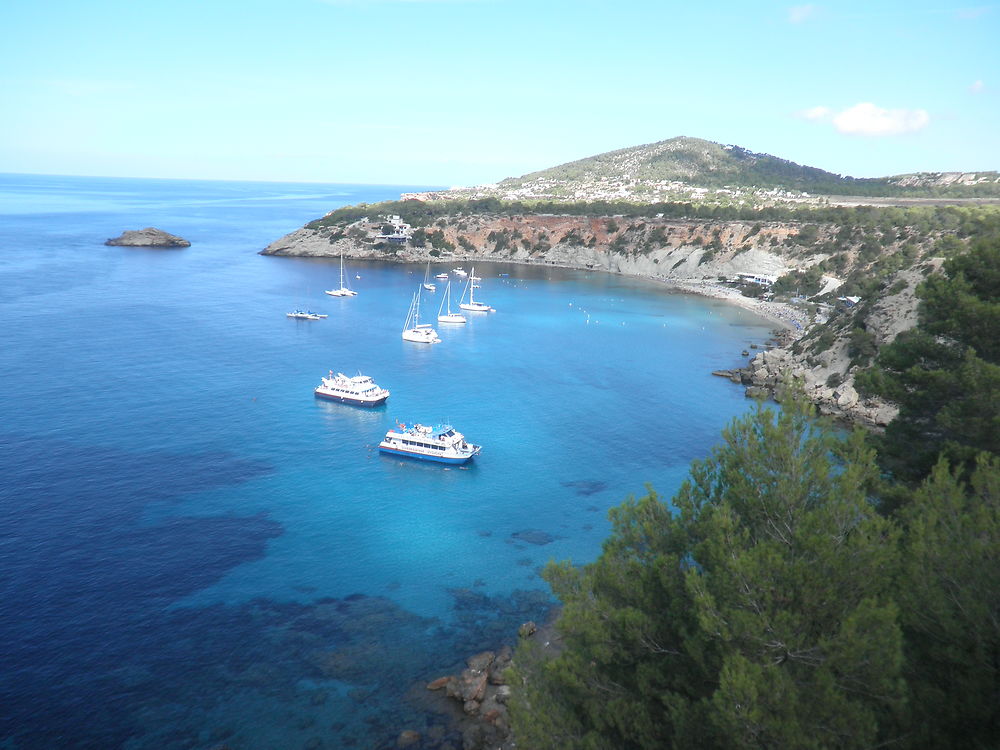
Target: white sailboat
[
  {"x": 449, "y": 317},
  {"x": 344, "y": 291},
  {"x": 413, "y": 329},
  {"x": 427, "y": 279},
  {"x": 472, "y": 304}
]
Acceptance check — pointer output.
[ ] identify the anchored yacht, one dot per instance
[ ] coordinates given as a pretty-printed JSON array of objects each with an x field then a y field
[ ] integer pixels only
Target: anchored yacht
[
  {"x": 441, "y": 443},
  {"x": 360, "y": 390}
]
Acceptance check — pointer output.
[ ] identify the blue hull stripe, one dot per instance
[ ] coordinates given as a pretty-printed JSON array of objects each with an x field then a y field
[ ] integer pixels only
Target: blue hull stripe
[{"x": 425, "y": 457}]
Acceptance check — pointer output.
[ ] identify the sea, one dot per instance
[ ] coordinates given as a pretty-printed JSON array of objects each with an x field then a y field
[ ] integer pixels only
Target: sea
[{"x": 195, "y": 552}]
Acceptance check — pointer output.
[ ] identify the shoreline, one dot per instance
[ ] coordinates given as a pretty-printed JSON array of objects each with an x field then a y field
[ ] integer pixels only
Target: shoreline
[{"x": 783, "y": 315}]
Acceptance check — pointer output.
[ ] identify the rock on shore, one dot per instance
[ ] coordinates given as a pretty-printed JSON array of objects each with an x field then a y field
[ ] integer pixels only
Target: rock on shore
[{"x": 148, "y": 237}]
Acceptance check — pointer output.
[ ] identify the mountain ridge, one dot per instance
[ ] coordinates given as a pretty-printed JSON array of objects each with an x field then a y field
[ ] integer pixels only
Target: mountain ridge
[{"x": 686, "y": 168}]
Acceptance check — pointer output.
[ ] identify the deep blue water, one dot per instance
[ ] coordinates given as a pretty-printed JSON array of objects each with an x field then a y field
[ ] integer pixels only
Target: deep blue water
[{"x": 196, "y": 552}]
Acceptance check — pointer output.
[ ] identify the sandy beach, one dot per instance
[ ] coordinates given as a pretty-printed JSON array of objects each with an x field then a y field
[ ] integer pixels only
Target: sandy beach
[{"x": 787, "y": 316}]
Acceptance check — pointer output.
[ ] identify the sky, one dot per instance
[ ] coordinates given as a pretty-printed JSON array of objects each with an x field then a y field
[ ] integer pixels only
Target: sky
[{"x": 467, "y": 92}]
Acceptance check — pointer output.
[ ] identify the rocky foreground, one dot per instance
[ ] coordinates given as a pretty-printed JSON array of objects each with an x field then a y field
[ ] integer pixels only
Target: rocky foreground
[
  {"x": 475, "y": 700},
  {"x": 148, "y": 237}
]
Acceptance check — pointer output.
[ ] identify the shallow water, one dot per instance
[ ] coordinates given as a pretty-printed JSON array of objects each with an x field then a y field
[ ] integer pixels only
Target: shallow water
[{"x": 195, "y": 551}]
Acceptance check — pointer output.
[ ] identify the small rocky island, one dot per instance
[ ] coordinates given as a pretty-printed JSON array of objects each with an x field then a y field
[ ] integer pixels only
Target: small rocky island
[{"x": 148, "y": 237}]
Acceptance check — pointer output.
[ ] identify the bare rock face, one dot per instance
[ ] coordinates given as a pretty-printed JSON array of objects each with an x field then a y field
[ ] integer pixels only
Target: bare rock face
[{"x": 148, "y": 237}]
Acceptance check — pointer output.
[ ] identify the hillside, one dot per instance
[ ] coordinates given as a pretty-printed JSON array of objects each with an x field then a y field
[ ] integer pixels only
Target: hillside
[{"x": 685, "y": 168}]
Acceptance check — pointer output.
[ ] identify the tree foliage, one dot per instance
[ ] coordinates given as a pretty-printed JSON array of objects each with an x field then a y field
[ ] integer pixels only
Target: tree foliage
[
  {"x": 945, "y": 373},
  {"x": 755, "y": 614},
  {"x": 949, "y": 596}
]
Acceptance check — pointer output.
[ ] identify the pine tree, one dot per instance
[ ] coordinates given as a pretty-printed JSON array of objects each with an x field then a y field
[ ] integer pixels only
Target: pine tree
[
  {"x": 949, "y": 596},
  {"x": 755, "y": 612},
  {"x": 945, "y": 373}
]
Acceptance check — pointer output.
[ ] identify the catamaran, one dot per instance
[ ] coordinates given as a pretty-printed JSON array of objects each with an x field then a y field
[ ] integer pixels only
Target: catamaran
[
  {"x": 472, "y": 304},
  {"x": 427, "y": 279},
  {"x": 448, "y": 317},
  {"x": 344, "y": 291},
  {"x": 413, "y": 329}
]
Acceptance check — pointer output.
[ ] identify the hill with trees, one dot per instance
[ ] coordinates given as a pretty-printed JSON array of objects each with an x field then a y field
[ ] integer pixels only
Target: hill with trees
[{"x": 686, "y": 168}]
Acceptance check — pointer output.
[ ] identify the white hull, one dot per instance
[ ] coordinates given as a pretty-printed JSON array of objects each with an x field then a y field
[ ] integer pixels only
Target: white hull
[
  {"x": 422, "y": 334},
  {"x": 360, "y": 390},
  {"x": 413, "y": 329},
  {"x": 449, "y": 316},
  {"x": 443, "y": 444},
  {"x": 428, "y": 284},
  {"x": 472, "y": 305},
  {"x": 344, "y": 291}
]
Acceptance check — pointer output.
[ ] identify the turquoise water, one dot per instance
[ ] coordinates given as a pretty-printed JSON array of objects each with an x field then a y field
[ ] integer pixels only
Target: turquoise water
[{"x": 196, "y": 551}]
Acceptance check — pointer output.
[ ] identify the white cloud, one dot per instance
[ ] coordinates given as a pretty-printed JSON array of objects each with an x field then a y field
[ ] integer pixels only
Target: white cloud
[
  {"x": 800, "y": 13},
  {"x": 815, "y": 113},
  {"x": 976, "y": 87},
  {"x": 867, "y": 119}
]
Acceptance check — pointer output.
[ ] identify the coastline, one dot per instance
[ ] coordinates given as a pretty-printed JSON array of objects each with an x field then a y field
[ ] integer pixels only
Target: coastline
[
  {"x": 788, "y": 317},
  {"x": 305, "y": 243}
]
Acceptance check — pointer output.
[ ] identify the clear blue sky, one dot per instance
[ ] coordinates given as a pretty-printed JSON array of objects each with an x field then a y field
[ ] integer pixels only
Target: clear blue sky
[{"x": 459, "y": 92}]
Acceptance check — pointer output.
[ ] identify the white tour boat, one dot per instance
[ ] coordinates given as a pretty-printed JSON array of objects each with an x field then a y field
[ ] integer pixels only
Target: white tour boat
[
  {"x": 460, "y": 271},
  {"x": 472, "y": 304},
  {"x": 344, "y": 290},
  {"x": 442, "y": 277},
  {"x": 448, "y": 317},
  {"x": 427, "y": 279},
  {"x": 304, "y": 315},
  {"x": 413, "y": 329},
  {"x": 360, "y": 390},
  {"x": 441, "y": 443}
]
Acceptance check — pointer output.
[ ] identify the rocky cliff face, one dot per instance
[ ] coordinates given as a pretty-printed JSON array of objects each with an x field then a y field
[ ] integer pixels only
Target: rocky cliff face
[
  {"x": 656, "y": 248},
  {"x": 828, "y": 357}
]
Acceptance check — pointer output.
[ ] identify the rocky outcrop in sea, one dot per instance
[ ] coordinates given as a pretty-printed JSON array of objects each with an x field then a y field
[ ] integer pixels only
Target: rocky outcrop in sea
[
  {"x": 148, "y": 237},
  {"x": 477, "y": 699}
]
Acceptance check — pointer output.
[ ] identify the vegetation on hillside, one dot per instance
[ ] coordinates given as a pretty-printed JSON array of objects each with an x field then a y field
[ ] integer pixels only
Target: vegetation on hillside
[
  {"x": 962, "y": 220},
  {"x": 945, "y": 373},
  {"x": 802, "y": 590},
  {"x": 707, "y": 164}
]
